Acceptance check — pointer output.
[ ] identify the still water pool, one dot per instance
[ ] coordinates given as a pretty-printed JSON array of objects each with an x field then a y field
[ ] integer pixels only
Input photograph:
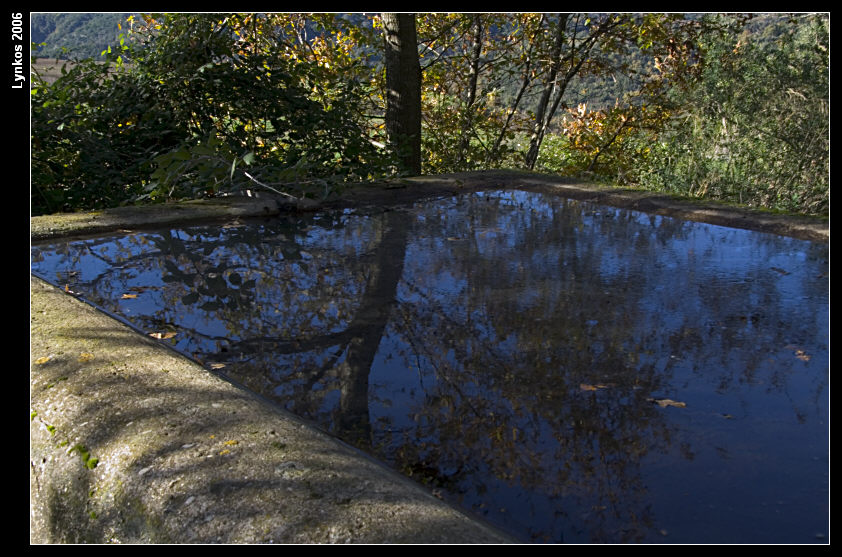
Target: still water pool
[{"x": 568, "y": 371}]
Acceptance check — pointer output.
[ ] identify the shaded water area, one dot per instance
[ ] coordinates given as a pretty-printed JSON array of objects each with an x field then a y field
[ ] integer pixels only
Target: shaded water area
[{"x": 568, "y": 371}]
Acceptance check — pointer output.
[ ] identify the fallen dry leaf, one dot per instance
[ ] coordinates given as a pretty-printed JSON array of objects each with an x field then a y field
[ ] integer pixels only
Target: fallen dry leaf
[
  {"x": 586, "y": 387},
  {"x": 664, "y": 402},
  {"x": 166, "y": 335},
  {"x": 128, "y": 296},
  {"x": 800, "y": 354},
  {"x": 43, "y": 360},
  {"x": 71, "y": 292},
  {"x": 86, "y": 357}
]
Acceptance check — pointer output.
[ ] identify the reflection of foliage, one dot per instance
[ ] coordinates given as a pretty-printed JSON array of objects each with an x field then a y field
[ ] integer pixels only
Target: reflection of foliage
[{"x": 488, "y": 314}]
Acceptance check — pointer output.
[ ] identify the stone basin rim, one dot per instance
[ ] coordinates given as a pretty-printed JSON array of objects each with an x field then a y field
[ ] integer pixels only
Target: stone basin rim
[{"x": 388, "y": 194}]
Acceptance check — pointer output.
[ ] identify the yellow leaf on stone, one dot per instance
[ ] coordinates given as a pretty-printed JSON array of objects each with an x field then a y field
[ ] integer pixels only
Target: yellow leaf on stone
[
  {"x": 43, "y": 360},
  {"x": 86, "y": 357},
  {"x": 232, "y": 442}
]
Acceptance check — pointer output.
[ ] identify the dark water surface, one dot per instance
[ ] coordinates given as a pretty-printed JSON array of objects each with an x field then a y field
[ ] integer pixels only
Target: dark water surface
[{"x": 570, "y": 372}]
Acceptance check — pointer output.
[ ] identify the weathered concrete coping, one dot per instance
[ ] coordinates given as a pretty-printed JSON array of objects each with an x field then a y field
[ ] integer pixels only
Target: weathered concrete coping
[
  {"x": 133, "y": 443},
  {"x": 806, "y": 228}
]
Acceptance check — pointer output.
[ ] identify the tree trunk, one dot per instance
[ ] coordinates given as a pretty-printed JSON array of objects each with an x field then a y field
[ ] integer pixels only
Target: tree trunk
[
  {"x": 525, "y": 82},
  {"x": 555, "y": 63},
  {"x": 468, "y": 114},
  {"x": 403, "y": 89},
  {"x": 556, "y": 86}
]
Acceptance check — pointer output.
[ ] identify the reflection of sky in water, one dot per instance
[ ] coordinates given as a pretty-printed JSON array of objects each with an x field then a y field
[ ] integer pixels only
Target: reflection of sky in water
[{"x": 515, "y": 363}]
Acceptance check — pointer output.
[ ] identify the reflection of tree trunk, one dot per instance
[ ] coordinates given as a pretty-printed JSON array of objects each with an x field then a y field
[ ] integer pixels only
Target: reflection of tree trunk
[{"x": 352, "y": 420}]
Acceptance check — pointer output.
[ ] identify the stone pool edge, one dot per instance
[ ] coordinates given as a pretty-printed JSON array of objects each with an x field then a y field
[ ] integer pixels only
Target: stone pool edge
[
  {"x": 133, "y": 443},
  {"x": 44, "y": 228}
]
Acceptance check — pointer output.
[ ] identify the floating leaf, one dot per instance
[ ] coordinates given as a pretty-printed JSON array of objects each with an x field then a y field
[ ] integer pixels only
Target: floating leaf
[
  {"x": 164, "y": 335},
  {"x": 587, "y": 387},
  {"x": 664, "y": 402},
  {"x": 128, "y": 296},
  {"x": 217, "y": 365},
  {"x": 800, "y": 354}
]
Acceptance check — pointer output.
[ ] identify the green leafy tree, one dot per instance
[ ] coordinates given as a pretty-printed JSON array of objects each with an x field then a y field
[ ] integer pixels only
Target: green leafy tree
[
  {"x": 246, "y": 99},
  {"x": 201, "y": 104},
  {"x": 95, "y": 131},
  {"x": 754, "y": 128}
]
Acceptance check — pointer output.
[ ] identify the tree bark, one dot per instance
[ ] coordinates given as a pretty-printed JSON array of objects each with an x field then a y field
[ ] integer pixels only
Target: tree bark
[
  {"x": 549, "y": 85},
  {"x": 468, "y": 115},
  {"x": 403, "y": 89},
  {"x": 525, "y": 82},
  {"x": 556, "y": 85}
]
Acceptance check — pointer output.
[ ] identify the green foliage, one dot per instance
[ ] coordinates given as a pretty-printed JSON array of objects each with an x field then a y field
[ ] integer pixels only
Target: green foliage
[
  {"x": 194, "y": 101},
  {"x": 188, "y": 105},
  {"x": 754, "y": 129},
  {"x": 245, "y": 103},
  {"x": 94, "y": 130}
]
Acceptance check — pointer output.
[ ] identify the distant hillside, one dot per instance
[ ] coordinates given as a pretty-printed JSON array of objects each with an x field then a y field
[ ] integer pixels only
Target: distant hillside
[{"x": 84, "y": 35}]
